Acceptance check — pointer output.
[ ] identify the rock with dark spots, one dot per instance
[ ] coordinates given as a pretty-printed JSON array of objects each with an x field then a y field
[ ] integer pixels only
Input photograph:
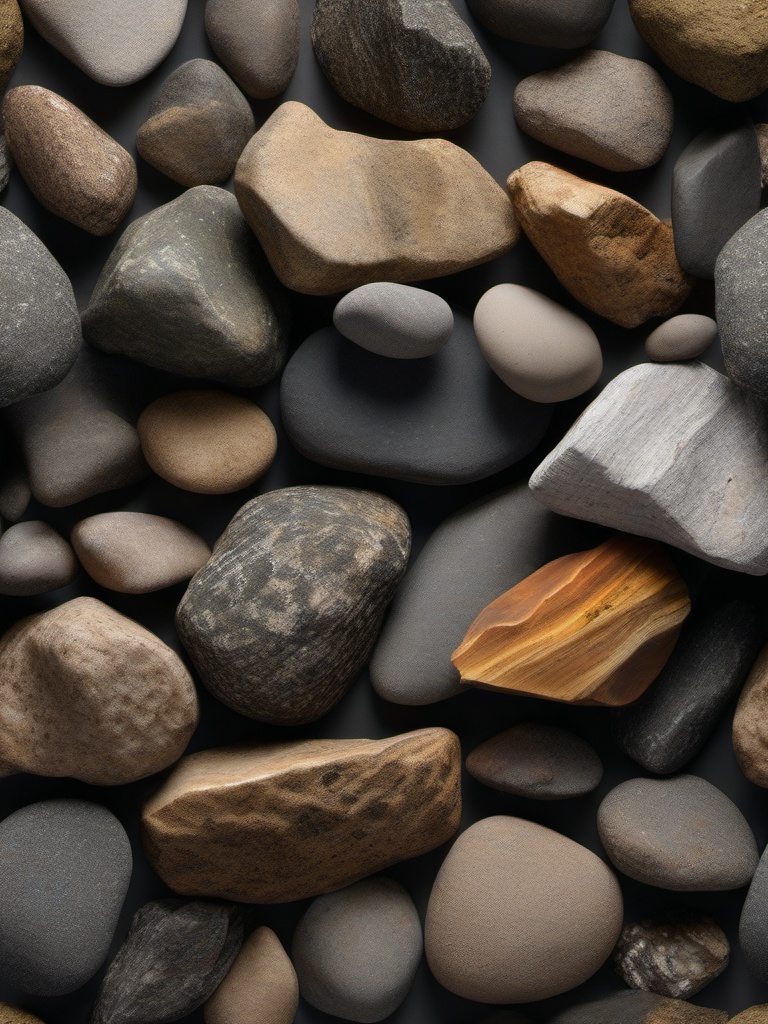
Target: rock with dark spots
[
  {"x": 284, "y": 615},
  {"x": 753, "y": 926},
  {"x": 565, "y": 25},
  {"x": 394, "y": 320},
  {"x": 639, "y": 1008},
  {"x": 258, "y": 43},
  {"x": 260, "y": 988},
  {"x": 675, "y": 956},
  {"x": 187, "y": 289},
  {"x": 34, "y": 559},
  {"x": 683, "y": 337},
  {"x": 6, "y": 161},
  {"x": 11, "y": 40}
]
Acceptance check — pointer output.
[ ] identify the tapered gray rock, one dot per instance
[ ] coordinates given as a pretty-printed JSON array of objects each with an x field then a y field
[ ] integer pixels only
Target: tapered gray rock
[
  {"x": 34, "y": 559},
  {"x": 683, "y": 337},
  {"x": 639, "y": 1008},
  {"x": 544, "y": 22},
  {"x": 258, "y": 43},
  {"x": 394, "y": 320},
  {"x": 676, "y": 955}
]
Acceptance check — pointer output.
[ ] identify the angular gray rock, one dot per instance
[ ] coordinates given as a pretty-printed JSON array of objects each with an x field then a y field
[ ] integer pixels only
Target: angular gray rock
[
  {"x": 676, "y": 955},
  {"x": 34, "y": 559},
  {"x": 683, "y": 337},
  {"x": 258, "y": 43},
  {"x": 753, "y": 926},
  {"x": 394, "y": 320},
  {"x": 639, "y": 1008},
  {"x": 554, "y": 23}
]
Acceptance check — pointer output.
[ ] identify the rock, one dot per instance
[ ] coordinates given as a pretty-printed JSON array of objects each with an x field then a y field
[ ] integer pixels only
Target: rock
[
  {"x": 394, "y": 320},
  {"x": 175, "y": 955},
  {"x": 90, "y": 694},
  {"x": 680, "y": 834},
  {"x": 187, "y": 289},
  {"x": 11, "y": 40},
  {"x": 391, "y": 211},
  {"x": 209, "y": 442},
  {"x": 282, "y": 618},
  {"x": 750, "y": 728},
  {"x": 137, "y": 553},
  {"x": 415, "y": 65},
  {"x": 639, "y": 1008},
  {"x": 600, "y": 106},
  {"x": 357, "y": 951},
  {"x": 686, "y": 336},
  {"x": 608, "y": 251},
  {"x": 113, "y": 42},
  {"x": 34, "y": 559},
  {"x": 15, "y": 494},
  {"x": 443, "y": 420},
  {"x": 6, "y": 162},
  {"x": 71, "y": 166},
  {"x": 595, "y": 627},
  {"x": 675, "y": 956},
  {"x": 66, "y": 869},
  {"x": 197, "y": 126},
  {"x": 762, "y": 143},
  {"x": 505, "y": 1017},
  {"x": 39, "y": 323},
  {"x": 538, "y": 348},
  {"x": 753, "y": 926},
  {"x": 566, "y": 26},
  {"x": 519, "y": 913},
  {"x": 754, "y": 1015},
  {"x": 676, "y": 453},
  {"x": 257, "y": 43},
  {"x": 283, "y": 821},
  {"x": 541, "y": 762},
  {"x": 14, "y": 1015},
  {"x": 260, "y": 988}
]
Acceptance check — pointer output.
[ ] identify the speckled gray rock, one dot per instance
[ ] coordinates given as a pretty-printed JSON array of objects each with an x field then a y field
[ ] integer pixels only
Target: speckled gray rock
[
  {"x": 66, "y": 868},
  {"x": 394, "y": 320},
  {"x": 683, "y": 337},
  {"x": 639, "y": 1008},
  {"x": 356, "y": 951},
  {"x": 610, "y": 110},
  {"x": 681, "y": 834},
  {"x": 284, "y": 615},
  {"x": 187, "y": 289},
  {"x": 6, "y": 161},
  {"x": 566, "y": 24},
  {"x": 753, "y": 927},
  {"x": 675, "y": 956},
  {"x": 34, "y": 559},
  {"x": 258, "y": 43}
]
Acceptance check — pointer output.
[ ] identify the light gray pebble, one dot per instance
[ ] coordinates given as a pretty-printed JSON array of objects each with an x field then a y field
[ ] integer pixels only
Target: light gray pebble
[
  {"x": 683, "y": 337},
  {"x": 394, "y": 320}
]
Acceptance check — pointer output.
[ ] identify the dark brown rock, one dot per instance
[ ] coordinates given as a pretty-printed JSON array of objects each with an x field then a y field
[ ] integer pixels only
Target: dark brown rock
[
  {"x": 11, "y": 39},
  {"x": 675, "y": 956}
]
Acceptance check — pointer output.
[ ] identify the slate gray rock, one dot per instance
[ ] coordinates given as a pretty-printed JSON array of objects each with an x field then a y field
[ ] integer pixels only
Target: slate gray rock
[
  {"x": 284, "y": 615},
  {"x": 187, "y": 289},
  {"x": 565, "y": 25},
  {"x": 66, "y": 869},
  {"x": 413, "y": 63},
  {"x": 639, "y": 1008},
  {"x": 444, "y": 420},
  {"x": 258, "y": 43},
  {"x": 6, "y": 161},
  {"x": 394, "y": 320},
  {"x": 683, "y": 337},
  {"x": 34, "y": 559},
  {"x": 753, "y": 926}
]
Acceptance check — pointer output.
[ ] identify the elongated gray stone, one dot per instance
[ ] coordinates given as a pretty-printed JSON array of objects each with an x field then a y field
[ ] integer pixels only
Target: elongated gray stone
[{"x": 567, "y": 24}]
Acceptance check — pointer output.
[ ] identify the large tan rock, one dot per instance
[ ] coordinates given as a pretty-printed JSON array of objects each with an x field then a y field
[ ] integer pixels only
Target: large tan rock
[
  {"x": 261, "y": 987},
  {"x": 750, "y": 724}
]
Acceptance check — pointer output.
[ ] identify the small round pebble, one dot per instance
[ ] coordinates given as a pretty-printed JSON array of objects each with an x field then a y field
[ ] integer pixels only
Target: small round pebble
[
  {"x": 260, "y": 988},
  {"x": 394, "y": 320},
  {"x": 34, "y": 559},
  {"x": 683, "y": 337}
]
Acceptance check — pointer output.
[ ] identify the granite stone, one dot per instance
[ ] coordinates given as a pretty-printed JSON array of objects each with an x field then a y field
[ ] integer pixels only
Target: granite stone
[{"x": 676, "y": 955}]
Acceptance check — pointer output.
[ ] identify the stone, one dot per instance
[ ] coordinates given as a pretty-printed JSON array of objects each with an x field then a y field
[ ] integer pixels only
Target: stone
[
  {"x": 112, "y": 42},
  {"x": 197, "y": 126},
  {"x": 753, "y": 926},
  {"x": 685, "y": 336},
  {"x": 596, "y": 627},
  {"x": 676, "y": 453},
  {"x": 15, "y": 494},
  {"x": 356, "y": 951},
  {"x": 762, "y": 143},
  {"x": 391, "y": 210},
  {"x": 209, "y": 442},
  {"x": 34, "y": 559},
  {"x": 257, "y": 43},
  {"x": 750, "y": 730},
  {"x": 71, "y": 166},
  {"x": 6, "y": 162},
  {"x": 608, "y": 251},
  {"x": 415, "y": 65},
  {"x": 505, "y": 1017},
  {"x": 639, "y": 1008},
  {"x": 14, "y": 1015},
  {"x": 538, "y": 348},
  {"x": 283, "y": 617},
  {"x": 137, "y": 553},
  {"x": 90, "y": 694},
  {"x": 519, "y": 913},
  {"x": 602, "y": 107},
  {"x": 188, "y": 290},
  {"x": 754, "y": 1015},
  {"x": 261, "y": 986},
  {"x": 175, "y": 955},
  {"x": 394, "y": 320},
  {"x": 676, "y": 956},
  {"x": 66, "y": 869},
  {"x": 11, "y": 40},
  {"x": 681, "y": 834},
  {"x": 443, "y": 420},
  {"x": 540, "y": 762},
  {"x": 39, "y": 322},
  {"x": 287, "y": 820},
  {"x": 564, "y": 26}
]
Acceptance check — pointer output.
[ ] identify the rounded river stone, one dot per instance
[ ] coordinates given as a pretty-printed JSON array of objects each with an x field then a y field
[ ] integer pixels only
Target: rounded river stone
[
  {"x": 11, "y": 39},
  {"x": 394, "y": 320},
  {"x": 261, "y": 986},
  {"x": 683, "y": 337},
  {"x": 565, "y": 24},
  {"x": 258, "y": 43},
  {"x": 753, "y": 927},
  {"x": 34, "y": 559}
]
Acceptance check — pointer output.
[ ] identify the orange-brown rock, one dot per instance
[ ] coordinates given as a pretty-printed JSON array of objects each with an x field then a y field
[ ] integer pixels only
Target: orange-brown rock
[
  {"x": 591, "y": 628},
  {"x": 612, "y": 254},
  {"x": 11, "y": 39},
  {"x": 283, "y": 821},
  {"x": 261, "y": 987}
]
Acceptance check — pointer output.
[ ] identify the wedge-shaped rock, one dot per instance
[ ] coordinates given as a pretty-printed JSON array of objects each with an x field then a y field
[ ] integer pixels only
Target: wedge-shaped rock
[
  {"x": 677, "y": 453},
  {"x": 390, "y": 211},
  {"x": 284, "y": 821}
]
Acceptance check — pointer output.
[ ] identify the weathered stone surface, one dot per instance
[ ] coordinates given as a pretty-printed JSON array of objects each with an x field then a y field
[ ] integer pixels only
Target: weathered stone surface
[
  {"x": 6, "y": 161},
  {"x": 391, "y": 211},
  {"x": 544, "y": 22},
  {"x": 11, "y": 39},
  {"x": 15, "y": 1015},
  {"x": 753, "y": 926},
  {"x": 261, "y": 986},
  {"x": 394, "y": 320},
  {"x": 34, "y": 559},
  {"x": 750, "y": 723},
  {"x": 639, "y": 1008},
  {"x": 762, "y": 142},
  {"x": 674, "y": 956},
  {"x": 257, "y": 43},
  {"x": 686, "y": 336},
  {"x": 754, "y": 1015}
]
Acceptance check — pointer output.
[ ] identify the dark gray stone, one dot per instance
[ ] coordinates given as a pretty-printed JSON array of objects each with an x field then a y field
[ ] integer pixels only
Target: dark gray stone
[
  {"x": 565, "y": 24},
  {"x": 394, "y": 320},
  {"x": 753, "y": 927},
  {"x": 258, "y": 43},
  {"x": 34, "y": 559},
  {"x": 639, "y": 1008}
]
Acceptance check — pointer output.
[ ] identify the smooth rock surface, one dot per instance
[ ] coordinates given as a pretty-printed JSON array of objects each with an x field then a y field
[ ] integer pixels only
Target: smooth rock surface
[
  {"x": 11, "y": 39},
  {"x": 674, "y": 956},
  {"x": 257, "y": 43},
  {"x": 639, "y": 1008},
  {"x": 685, "y": 336},
  {"x": 261, "y": 986},
  {"x": 753, "y": 926},
  {"x": 566, "y": 25},
  {"x": 394, "y": 320},
  {"x": 34, "y": 559},
  {"x": 750, "y": 728}
]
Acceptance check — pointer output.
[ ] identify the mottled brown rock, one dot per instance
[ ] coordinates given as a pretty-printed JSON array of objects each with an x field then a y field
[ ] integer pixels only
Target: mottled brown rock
[
  {"x": 284, "y": 821},
  {"x": 261, "y": 987},
  {"x": 675, "y": 956},
  {"x": 11, "y": 39},
  {"x": 750, "y": 724},
  {"x": 15, "y": 1015}
]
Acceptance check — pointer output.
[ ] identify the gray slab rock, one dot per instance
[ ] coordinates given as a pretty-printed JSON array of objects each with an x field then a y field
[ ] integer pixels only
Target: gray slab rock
[
  {"x": 394, "y": 320},
  {"x": 565, "y": 24},
  {"x": 258, "y": 43},
  {"x": 35, "y": 559}
]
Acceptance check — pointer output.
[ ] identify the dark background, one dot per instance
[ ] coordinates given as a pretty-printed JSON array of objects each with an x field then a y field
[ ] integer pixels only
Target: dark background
[{"x": 494, "y": 139}]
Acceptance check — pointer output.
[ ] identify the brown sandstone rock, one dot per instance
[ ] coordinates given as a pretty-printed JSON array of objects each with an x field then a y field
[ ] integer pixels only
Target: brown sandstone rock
[
  {"x": 754, "y": 1015},
  {"x": 750, "y": 724},
  {"x": 15, "y": 1015},
  {"x": 261, "y": 987},
  {"x": 11, "y": 39}
]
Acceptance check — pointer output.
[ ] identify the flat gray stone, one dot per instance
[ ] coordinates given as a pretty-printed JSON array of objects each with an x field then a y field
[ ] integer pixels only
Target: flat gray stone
[
  {"x": 683, "y": 337},
  {"x": 753, "y": 926},
  {"x": 258, "y": 43},
  {"x": 34, "y": 559},
  {"x": 394, "y": 320},
  {"x": 565, "y": 24}
]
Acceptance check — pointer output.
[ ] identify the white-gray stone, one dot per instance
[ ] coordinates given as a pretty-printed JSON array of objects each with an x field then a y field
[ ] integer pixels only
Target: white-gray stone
[
  {"x": 394, "y": 320},
  {"x": 680, "y": 338}
]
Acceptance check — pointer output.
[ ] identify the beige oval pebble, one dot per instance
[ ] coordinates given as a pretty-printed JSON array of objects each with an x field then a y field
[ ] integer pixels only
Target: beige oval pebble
[
  {"x": 682, "y": 337},
  {"x": 261, "y": 987}
]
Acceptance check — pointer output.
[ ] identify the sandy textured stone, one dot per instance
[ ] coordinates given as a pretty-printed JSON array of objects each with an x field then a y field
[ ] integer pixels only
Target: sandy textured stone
[
  {"x": 674, "y": 956},
  {"x": 11, "y": 39},
  {"x": 750, "y": 723},
  {"x": 258, "y": 43},
  {"x": 394, "y": 320},
  {"x": 544, "y": 22},
  {"x": 754, "y": 1015},
  {"x": 686, "y": 336},
  {"x": 639, "y": 1008},
  {"x": 34, "y": 559},
  {"x": 15, "y": 1015},
  {"x": 260, "y": 988}
]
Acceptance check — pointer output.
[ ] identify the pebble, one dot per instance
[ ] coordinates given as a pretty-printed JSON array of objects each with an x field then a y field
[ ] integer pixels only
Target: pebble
[
  {"x": 11, "y": 40},
  {"x": 753, "y": 926},
  {"x": 519, "y": 913},
  {"x": 66, "y": 869},
  {"x": 34, "y": 559},
  {"x": 681, "y": 834},
  {"x": 71, "y": 166},
  {"x": 197, "y": 126},
  {"x": 356, "y": 951},
  {"x": 15, "y": 1015},
  {"x": 415, "y": 65},
  {"x": 544, "y": 22},
  {"x": 137, "y": 553},
  {"x": 15, "y": 494},
  {"x": 639, "y": 1008},
  {"x": 261, "y": 986},
  {"x": 6, "y": 162},
  {"x": 257, "y": 43},
  {"x": 541, "y": 350},
  {"x": 540, "y": 762},
  {"x": 90, "y": 694},
  {"x": 209, "y": 442},
  {"x": 685, "y": 336},
  {"x": 283, "y": 821},
  {"x": 187, "y": 289},
  {"x": 602, "y": 107},
  {"x": 444, "y": 420},
  {"x": 282, "y": 618},
  {"x": 675, "y": 956},
  {"x": 394, "y": 320},
  {"x": 391, "y": 211},
  {"x": 750, "y": 723}
]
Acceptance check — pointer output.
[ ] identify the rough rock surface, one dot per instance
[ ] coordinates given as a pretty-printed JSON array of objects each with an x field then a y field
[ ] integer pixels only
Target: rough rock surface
[
  {"x": 686, "y": 336},
  {"x": 753, "y": 1015},
  {"x": 34, "y": 559},
  {"x": 11, "y": 40},
  {"x": 394, "y": 320},
  {"x": 257, "y": 43},
  {"x": 750, "y": 723},
  {"x": 261, "y": 986},
  {"x": 6, "y": 161},
  {"x": 543, "y": 22},
  {"x": 753, "y": 926},
  {"x": 639, "y": 1008},
  {"x": 675, "y": 956}
]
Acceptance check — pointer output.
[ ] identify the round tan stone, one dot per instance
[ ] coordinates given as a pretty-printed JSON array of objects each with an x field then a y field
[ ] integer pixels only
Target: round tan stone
[{"x": 261, "y": 987}]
